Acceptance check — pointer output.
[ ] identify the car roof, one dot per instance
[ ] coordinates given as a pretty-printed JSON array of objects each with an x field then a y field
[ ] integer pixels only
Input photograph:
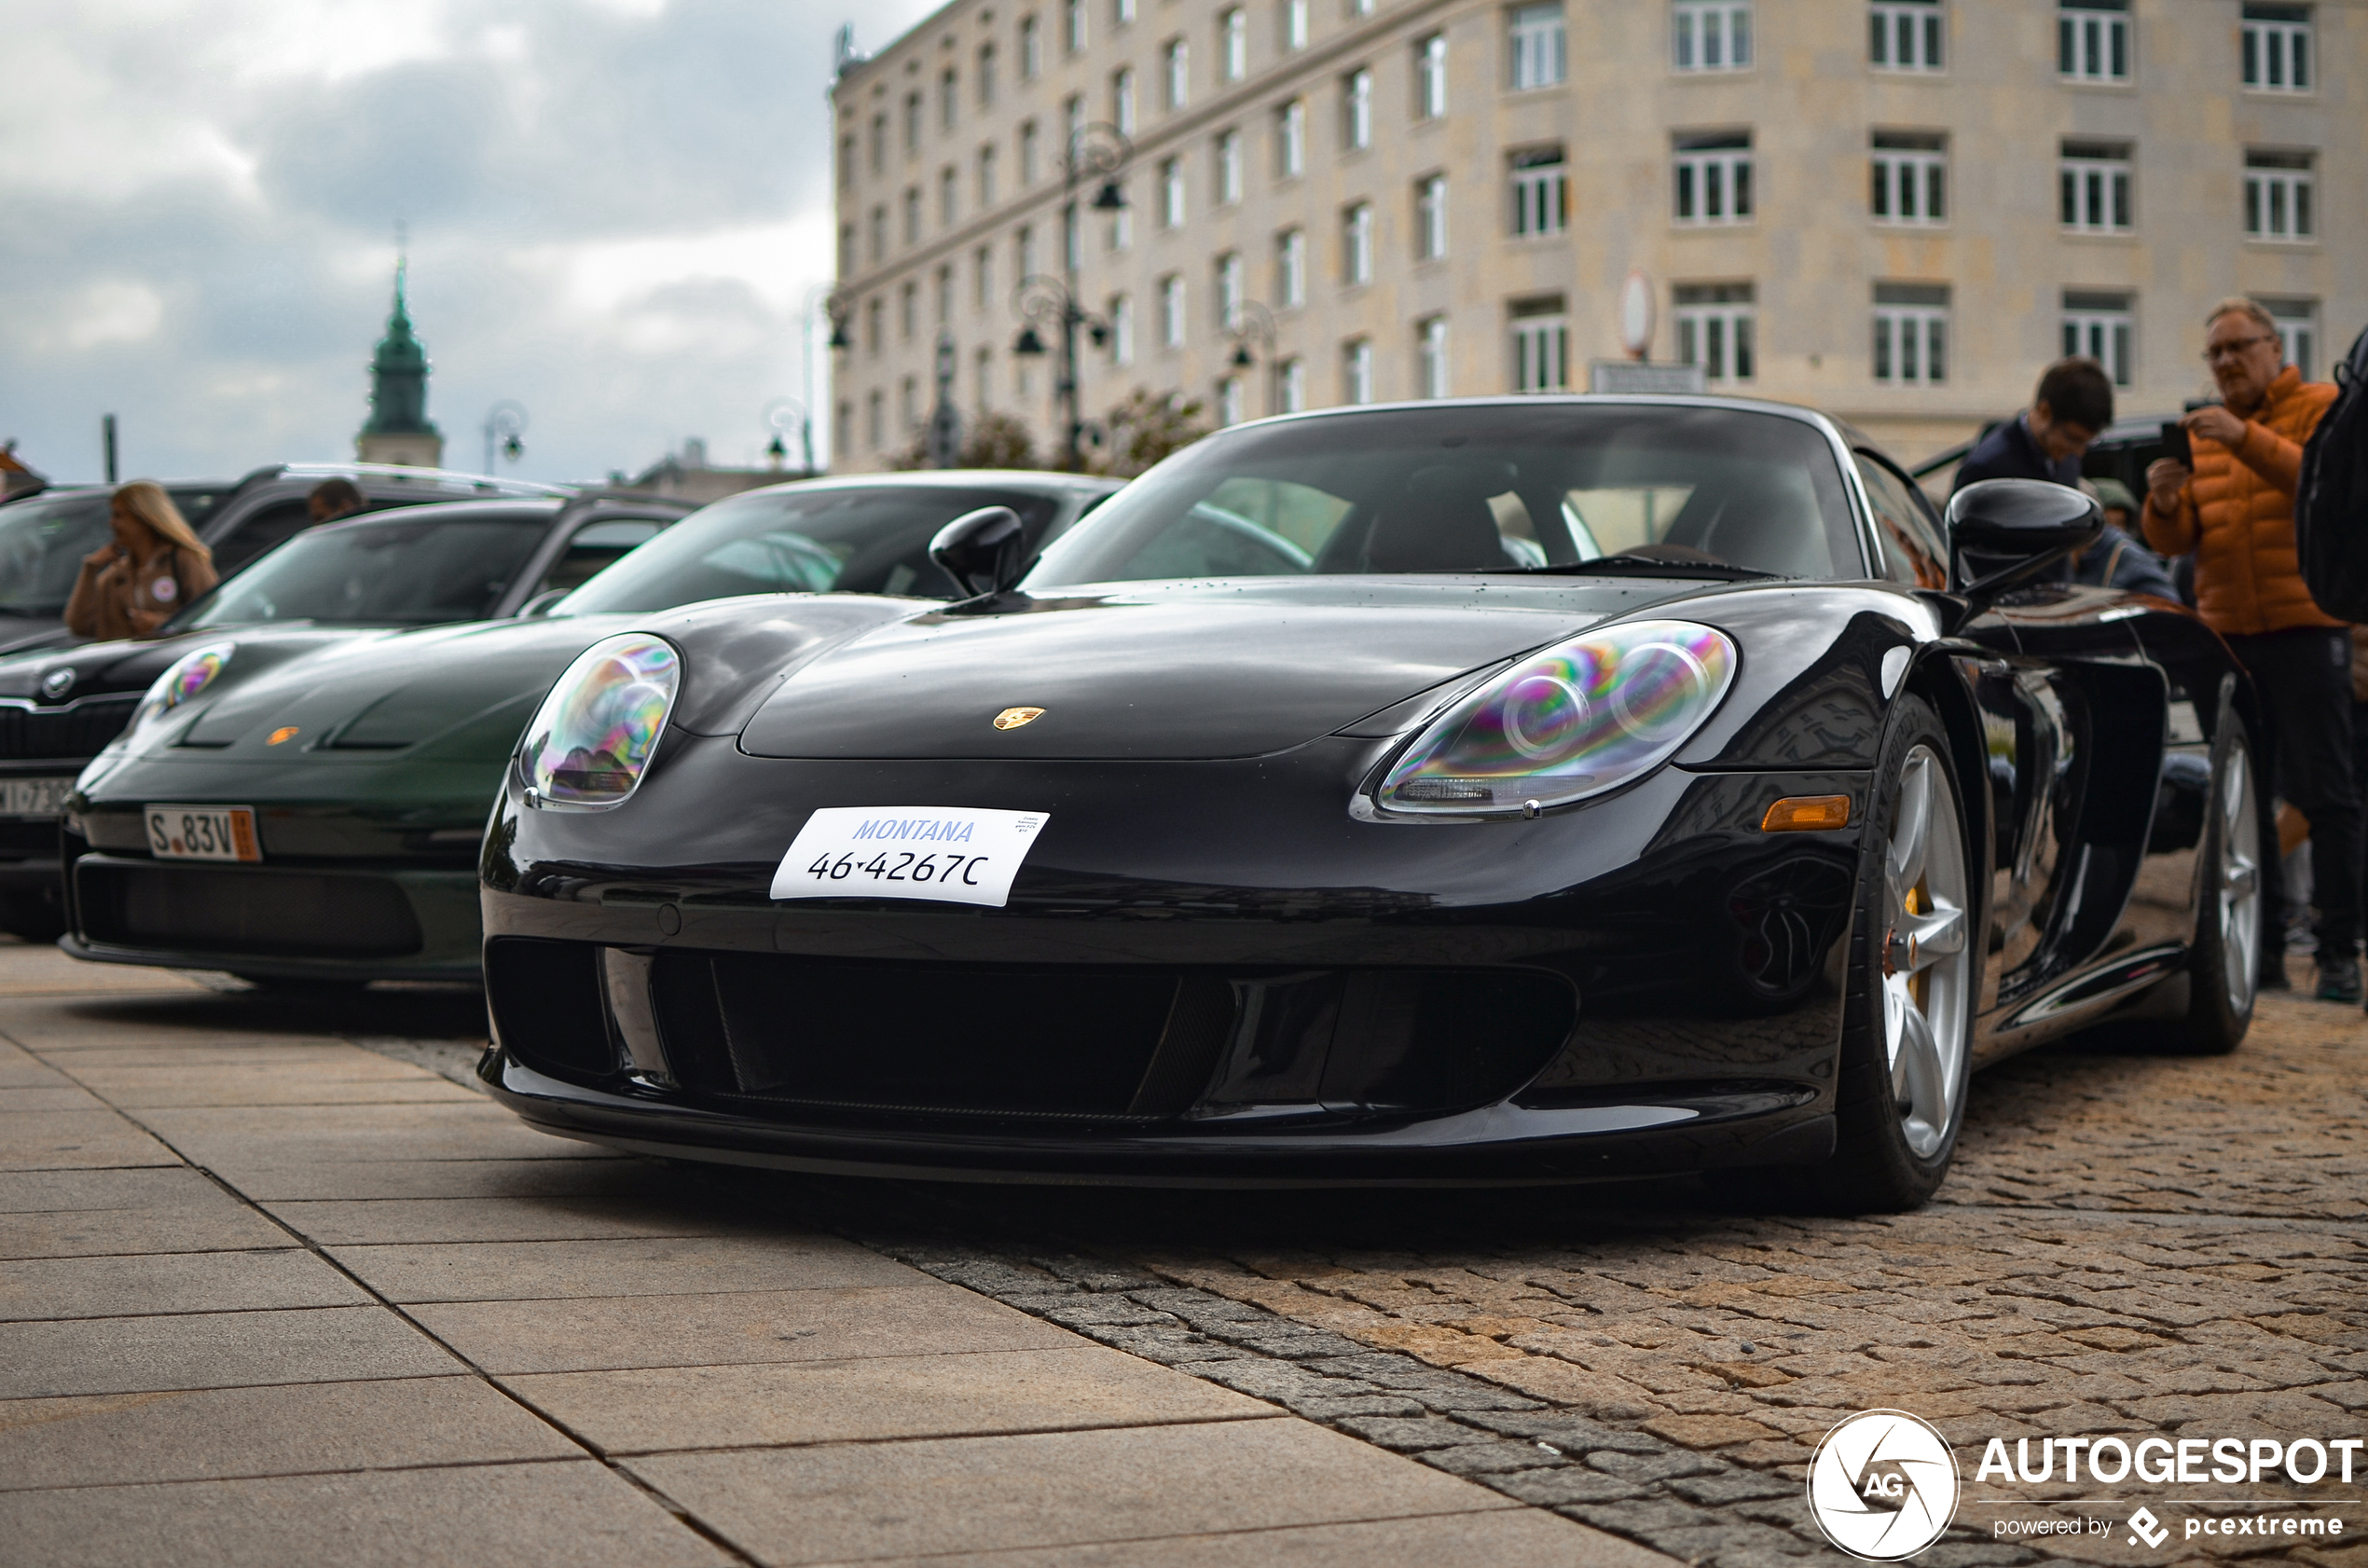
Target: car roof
[
  {"x": 385, "y": 479},
  {"x": 522, "y": 509},
  {"x": 1042, "y": 481}
]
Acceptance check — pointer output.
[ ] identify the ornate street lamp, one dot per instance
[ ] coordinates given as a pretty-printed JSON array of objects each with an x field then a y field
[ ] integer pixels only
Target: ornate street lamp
[
  {"x": 782, "y": 415},
  {"x": 1253, "y": 321},
  {"x": 504, "y": 422},
  {"x": 1097, "y": 151}
]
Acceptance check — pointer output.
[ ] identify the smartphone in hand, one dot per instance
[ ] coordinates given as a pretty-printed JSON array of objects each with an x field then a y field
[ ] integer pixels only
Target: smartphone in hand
[{"x": 2176, "y": 446}]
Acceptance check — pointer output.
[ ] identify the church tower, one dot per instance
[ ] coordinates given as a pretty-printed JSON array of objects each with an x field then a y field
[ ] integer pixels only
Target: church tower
[{"x": 398, "y": 431}]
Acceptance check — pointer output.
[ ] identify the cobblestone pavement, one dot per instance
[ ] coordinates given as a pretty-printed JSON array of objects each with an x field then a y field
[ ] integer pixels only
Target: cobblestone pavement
[{"x": 2129, "y": 1244}]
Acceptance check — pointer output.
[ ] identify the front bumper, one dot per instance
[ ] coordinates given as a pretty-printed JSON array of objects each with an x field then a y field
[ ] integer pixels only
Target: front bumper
[{"x": 1207, "y": 972}]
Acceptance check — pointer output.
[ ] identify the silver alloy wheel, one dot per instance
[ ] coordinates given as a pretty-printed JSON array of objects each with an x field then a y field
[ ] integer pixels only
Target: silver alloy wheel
[
  {"x": 2237, "y": 902},
  {"x": 1926, "y": 967}
]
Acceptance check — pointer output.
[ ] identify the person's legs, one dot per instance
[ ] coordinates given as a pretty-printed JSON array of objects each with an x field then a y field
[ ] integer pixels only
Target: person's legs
[
  {"x": 2259, "y": 655},
  {"x": 2304, "y": 681}
]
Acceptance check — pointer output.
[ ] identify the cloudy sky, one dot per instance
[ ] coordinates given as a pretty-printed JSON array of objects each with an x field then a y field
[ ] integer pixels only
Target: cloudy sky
[{"x": 618, "y": 210}]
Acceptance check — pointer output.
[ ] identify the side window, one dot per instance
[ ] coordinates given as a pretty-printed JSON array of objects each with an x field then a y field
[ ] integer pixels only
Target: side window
[
  {"x": 595, "y": 546},
  {"x": 259, "y": 531},
  {"x": 1913, "y": 550}
]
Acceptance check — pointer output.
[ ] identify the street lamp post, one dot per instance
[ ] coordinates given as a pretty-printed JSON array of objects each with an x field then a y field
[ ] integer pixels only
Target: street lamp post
[
  {"x": 781, "y": 415},
  {"x": 1253, "y": 320},
  {"x": 1095, "y": 152},
  {"x": 504, "y": 422}
]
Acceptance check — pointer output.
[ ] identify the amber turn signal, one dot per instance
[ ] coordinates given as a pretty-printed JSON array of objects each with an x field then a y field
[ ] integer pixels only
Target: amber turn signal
[{"x": 1806, "y": 814}]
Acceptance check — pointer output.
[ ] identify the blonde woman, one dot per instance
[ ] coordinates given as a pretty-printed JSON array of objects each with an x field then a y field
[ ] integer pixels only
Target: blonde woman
[{"x": 154, "y": 565}]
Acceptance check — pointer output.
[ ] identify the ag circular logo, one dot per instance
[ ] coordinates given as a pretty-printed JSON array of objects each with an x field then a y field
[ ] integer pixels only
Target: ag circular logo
[{"x": 1883, "y": 1485}]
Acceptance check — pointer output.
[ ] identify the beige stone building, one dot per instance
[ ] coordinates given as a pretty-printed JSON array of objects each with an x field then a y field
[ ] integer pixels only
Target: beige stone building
[{"x": 1897, "y": 210}]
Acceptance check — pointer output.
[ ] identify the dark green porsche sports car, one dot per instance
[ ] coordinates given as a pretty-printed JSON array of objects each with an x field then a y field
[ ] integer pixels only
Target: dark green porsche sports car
[{"x": 311, "y": 815}]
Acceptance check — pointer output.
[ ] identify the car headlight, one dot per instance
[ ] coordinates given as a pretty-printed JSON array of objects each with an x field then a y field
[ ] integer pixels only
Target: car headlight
[
  {"x": 1576, "y": 720},
  {"x": 190, "y": 674},
  {"x": 592, "y": 738}
]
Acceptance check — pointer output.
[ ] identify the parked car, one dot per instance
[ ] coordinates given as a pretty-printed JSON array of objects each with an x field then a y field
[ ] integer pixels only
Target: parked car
[
  {"x": 44, "y": 538},
  {"x": 1594, "y": 787},
  {"x": 458, "y": 561},
  {"x": 312, "y": 815}
]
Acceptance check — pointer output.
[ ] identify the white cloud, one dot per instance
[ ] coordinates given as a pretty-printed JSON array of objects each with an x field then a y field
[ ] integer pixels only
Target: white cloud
[{"x": 115, "y": 312}]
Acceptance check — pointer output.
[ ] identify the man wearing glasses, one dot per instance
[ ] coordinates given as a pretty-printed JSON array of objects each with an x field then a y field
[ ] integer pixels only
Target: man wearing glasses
[{"x": 2234, "y": 509}]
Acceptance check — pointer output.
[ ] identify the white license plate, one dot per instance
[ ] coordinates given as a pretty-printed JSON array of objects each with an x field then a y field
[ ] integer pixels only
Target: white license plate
[
  {"x": 34, "y": 797},
  {"x": 203, "y": 832},
  {"x": 937, "y": 853}
]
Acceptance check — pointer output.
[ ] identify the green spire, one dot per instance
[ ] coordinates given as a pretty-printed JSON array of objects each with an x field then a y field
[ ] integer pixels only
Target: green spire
[{"x": 399, "y": 373}]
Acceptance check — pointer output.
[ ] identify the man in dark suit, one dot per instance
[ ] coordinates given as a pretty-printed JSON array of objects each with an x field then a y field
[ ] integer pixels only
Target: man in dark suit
[{"x": 2073, "y": 407}]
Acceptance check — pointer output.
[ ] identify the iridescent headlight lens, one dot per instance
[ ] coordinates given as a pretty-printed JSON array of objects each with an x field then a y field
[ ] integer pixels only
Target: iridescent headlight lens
[
  {"x": 190, "y": 674},
  {"x": 594, "y": 736},
  {"x": 1580, "y": 718}
]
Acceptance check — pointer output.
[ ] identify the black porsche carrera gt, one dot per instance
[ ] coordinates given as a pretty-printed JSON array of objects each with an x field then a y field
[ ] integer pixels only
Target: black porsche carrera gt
[{"x": 1521, "y": 790}]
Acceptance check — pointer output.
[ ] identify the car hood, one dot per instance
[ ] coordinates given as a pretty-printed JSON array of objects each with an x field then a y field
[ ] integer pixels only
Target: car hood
[{"x": 1167, "y": 671}]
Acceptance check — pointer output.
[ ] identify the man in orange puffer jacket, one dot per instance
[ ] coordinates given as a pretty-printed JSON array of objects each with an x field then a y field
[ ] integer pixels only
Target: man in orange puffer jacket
[{"x": 2236, "y": 511}]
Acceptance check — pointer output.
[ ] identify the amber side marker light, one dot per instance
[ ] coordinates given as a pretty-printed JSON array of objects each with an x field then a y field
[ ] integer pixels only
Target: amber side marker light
[{"x": 1806, "y": 814}]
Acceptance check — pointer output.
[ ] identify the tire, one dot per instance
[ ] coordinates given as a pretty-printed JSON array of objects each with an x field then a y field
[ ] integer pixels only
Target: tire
[
  {"x": 2224, "y": 962},
  {"x": 1913, "y": 977}
]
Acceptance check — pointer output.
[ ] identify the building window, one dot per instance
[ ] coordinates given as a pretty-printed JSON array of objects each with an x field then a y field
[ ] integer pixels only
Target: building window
[
  {"x": 1121, "y": 13},
  {"x": 987, "y": 75},
  {"x": 1024, "y": 255},
  {"x": 1291, "y": 140},
  {"x": 1072, "y": 245},
  {"x": 1360, "y": 7},
  {"x": 1074, "y": 35},
  {"x": 879, "y": 143},
  {"x": 879, "y": 234},
  {"x": 949, "y": 101},
  {"x": 1178, "y": 65},
  {"x": 1031, "y": 49},
  {"x": 982, "y": 278},
  {"x": 1172, "y": 312},
  {"x": 874, "y": 314},
  {"x": 945, "y": 296},
  {"x": 1357, "y": 243},
  {"x": 1541, "y": 345},
  {"x": 1710, "y": 35},
  {"x": 1121, "y": 229},
  {"x": 987, "y": 175},
  {"x": 2098, "y": 325},
  {"x": 1905, "y": 35},
  {"x": 1430, "y": 217},
  {"x": 842, "y": 427},
  {"x": 1717, "y": 328},
  {"x": 876, "y": 421},
  {"x": 1229, "y": 167},
  {"x": 1541, "y": 192},
  {"x": 1713, "y": 177},
  {"x": 2276, "y": 49},
  {"x": 1430, "y": 76},
  {"x": 912, "y": 123},
  {"x": 2278, "y": 196},
  {"x": 1911, "y": 334},
  {"x": 1294, "y": 15},
  {"x": 1356, "y": 370},
  {"x": 846, "y": 248},
  {"x": 1911, "y": 177},
  {"x": 1290, "y": 387},
  {"x": 1431, "y": 356},
  {"x": 2298, "y": 323},
  {"x": 908, "y": 404},
  {"x": 912, "y": 214},
  {"x": 1031, "y": 157},
  {"x": 2092, "y": 40},
  {"x": 1232, "y": 45},
  {"x": 1357, "y": 110},
  {"x": 984, "y": 392},
  {"x": 949, "y": 197},
  {"x": 908, "y": 311},
  {"x": 1229, "y": 401},
  {"x": 1227, "y": 277},
  {"x": 1122, "y": 315},
  {"x": 1291, "y": 269},
  {"x": 2094, "y": 186},
  {"x": 1538, "y": 52},
  {"x": 1123, "y": 100},
  {"x": 846, "y": 159},
  {"x": 1072, "y": 111},
  {"x": 1172, "y": 193}
]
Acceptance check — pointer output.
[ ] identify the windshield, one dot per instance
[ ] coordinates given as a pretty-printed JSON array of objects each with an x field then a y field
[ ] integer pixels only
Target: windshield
[
  {"x": 408, "y": 570},
  {"x": 42, "y": 542},
  {"x": 836, "y": 539},
  {"x": 1476, "y": 487}
]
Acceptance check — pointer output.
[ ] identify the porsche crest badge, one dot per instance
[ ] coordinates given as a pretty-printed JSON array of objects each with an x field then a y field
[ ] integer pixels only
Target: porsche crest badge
[{"x": 1013, "y": 718}]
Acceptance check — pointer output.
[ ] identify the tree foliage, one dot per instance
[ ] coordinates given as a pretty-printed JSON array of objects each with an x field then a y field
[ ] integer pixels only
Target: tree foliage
[
  {"x": 992, "y": 440},
  {"x": 1145, "y": 428}
]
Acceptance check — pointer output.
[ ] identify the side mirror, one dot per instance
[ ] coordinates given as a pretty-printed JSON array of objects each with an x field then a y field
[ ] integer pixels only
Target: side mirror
[
  {"x": 2014, "y": 529},
  {"x": 981, "y": 550}
]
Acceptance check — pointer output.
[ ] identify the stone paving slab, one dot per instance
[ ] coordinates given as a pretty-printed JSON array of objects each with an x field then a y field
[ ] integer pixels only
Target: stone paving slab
[
  {"x": 48, "y": 1099},
  {"x": 386, "y": 1222},
  {"x": 487, "y": 1516},
  {"x": 125, "y": 1232},
  {"x": 150, "y": 1283},
  {"x": 20, "y": 1068},
  {"x": 750, "y": 1327},
  {"x": 238, "y": 1139},
  {"x": 289, "y": 1429},
  {"x": 869, "y": 1400},
  {"x": 981, "y": 1494},
  {"x": 76, "y": 1140},
  {"x": 613, "y": 1268},
  {"x": 1503, "y": 1538},
  {"x": 216, "y": 1349},
  {"x": 569, "y": 1170}
]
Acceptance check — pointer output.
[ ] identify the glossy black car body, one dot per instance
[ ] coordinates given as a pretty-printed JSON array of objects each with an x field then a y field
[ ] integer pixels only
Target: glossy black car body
[
  {"x": 1225, "y": 961},
  {"x": 59, "y": 709}
]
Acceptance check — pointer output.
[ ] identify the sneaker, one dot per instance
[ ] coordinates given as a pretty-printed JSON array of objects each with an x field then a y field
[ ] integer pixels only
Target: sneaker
[
  {"x": 2339, "y": 981},
  {"x": 2274, "y": 979}
]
